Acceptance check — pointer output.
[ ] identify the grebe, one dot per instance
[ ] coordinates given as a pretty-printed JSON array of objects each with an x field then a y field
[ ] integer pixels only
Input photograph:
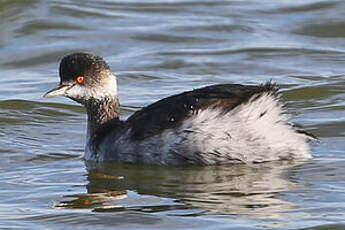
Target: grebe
[{"x": 218, "y": 124}]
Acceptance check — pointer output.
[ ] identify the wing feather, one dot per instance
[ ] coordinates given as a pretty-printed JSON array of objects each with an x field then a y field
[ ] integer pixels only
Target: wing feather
[{"x": 172, "y": 111}]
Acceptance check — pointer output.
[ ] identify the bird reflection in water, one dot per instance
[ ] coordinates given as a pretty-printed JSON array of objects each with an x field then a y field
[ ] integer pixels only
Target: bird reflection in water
[{"x": 254, "y": 190}]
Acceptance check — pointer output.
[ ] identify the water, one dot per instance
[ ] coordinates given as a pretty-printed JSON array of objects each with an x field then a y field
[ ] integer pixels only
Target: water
[{"x": 159, "y": 48}]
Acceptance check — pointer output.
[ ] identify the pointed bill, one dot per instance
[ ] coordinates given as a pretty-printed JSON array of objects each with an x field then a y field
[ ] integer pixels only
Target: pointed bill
[{"x": 58, "y": 91}]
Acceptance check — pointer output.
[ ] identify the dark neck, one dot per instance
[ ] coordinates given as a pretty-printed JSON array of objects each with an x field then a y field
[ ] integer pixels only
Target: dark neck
[
  {"x": 103, "y": 117},
  {"x": 101, "y": 111}
]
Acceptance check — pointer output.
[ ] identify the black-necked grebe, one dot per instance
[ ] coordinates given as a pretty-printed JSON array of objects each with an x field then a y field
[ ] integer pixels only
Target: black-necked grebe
[{"x": 218, "y": 124}]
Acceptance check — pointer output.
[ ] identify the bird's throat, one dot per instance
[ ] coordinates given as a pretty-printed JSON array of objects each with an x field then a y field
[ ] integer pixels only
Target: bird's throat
[{"x": 102, "y": 111}]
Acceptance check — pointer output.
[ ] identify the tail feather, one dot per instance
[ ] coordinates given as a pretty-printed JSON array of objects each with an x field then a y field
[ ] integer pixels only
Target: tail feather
[{"x": 299, "y": 129}]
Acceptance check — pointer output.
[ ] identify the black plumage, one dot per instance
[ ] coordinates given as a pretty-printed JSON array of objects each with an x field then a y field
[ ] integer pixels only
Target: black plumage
[{"x": 171, "y": 111}]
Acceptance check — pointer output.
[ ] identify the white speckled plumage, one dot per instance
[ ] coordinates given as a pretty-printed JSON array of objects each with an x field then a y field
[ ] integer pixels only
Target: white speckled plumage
[{"x": 242, "y": 135}]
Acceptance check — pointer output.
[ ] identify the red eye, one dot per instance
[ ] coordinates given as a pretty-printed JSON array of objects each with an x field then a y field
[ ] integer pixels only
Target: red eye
[{"x": 80, "y": 79}]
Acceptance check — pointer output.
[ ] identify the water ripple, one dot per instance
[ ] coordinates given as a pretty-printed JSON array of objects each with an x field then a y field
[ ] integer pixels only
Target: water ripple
[{"x": 159, "y": 48}]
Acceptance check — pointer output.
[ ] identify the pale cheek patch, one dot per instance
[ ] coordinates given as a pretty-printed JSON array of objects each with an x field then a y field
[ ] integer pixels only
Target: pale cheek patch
[
  {"x": 77, "y": 91},
  {"x": 106, "y": 89}
]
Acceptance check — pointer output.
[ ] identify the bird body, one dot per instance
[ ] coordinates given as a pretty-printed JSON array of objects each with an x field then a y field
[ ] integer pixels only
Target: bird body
[{"x": 219, "y": 124}]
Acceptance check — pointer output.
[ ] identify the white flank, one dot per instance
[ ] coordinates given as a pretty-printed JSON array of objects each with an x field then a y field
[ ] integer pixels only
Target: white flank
[{"x": 255, "y": 131}]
